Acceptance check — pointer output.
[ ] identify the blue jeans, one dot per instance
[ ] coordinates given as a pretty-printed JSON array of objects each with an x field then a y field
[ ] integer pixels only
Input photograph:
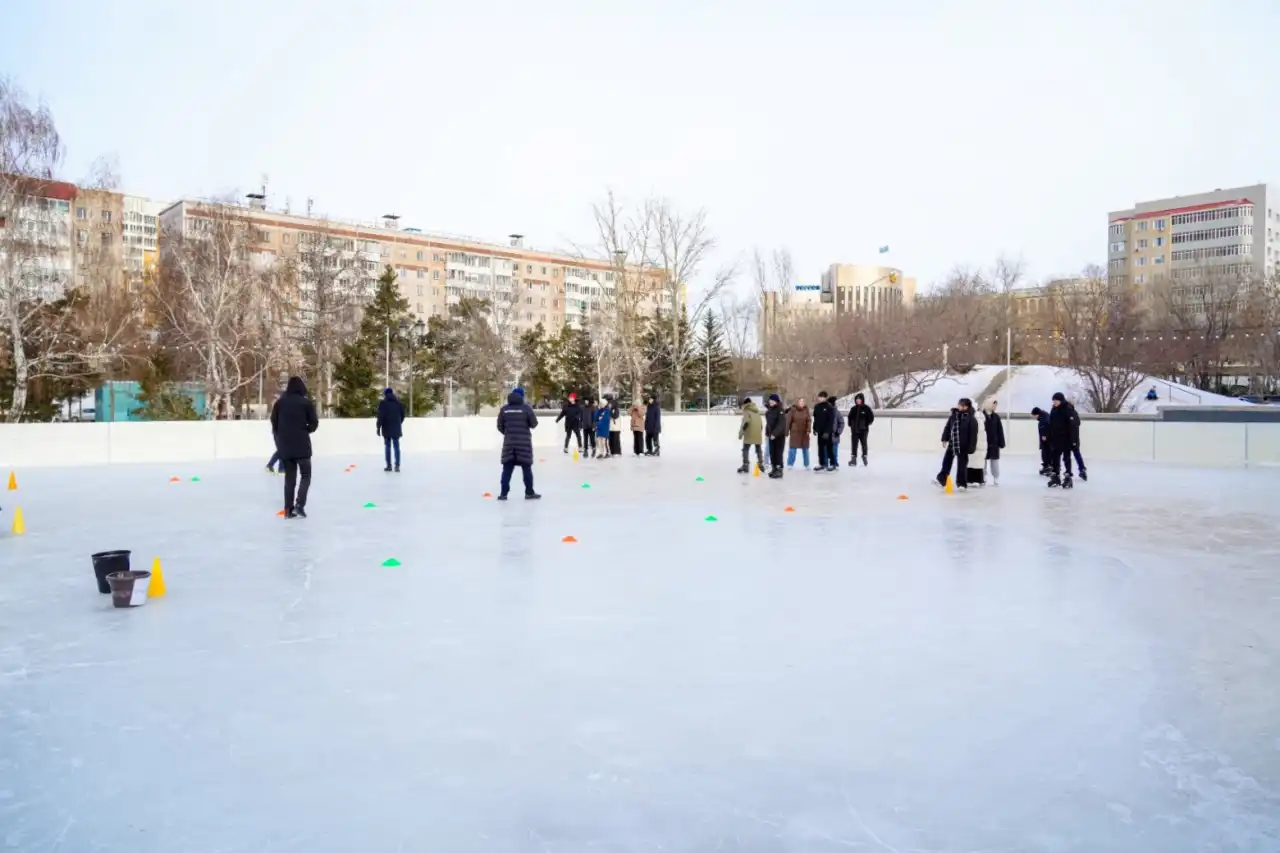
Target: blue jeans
[
  {"x": 791, "y": 456},
  {"x": 526, "y": 471},
  {"x": 387, "y": 445},
  {"x": 835, "y": 452}
]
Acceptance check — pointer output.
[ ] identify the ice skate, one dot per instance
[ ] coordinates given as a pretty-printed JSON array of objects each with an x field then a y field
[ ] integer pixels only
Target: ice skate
[
  {"x": 270, "y": 470},
  {"x": 832, "y": 467},
  {"x": 387, "y": 469},
  {"x": 299, "y": 512},
  {"x": 1084, "y": 475},
  {"x": 532, "y": 496},
  {"x": 744, "y": 469},
  {"x": 1067, "y": 482},
  {"x": 397, "y": 469},
  {"x": 1054, "y": 481},
  {"x": 775, "y": 474},
  {"x": 502, "y": 497},
  {"x": 864, "y": 460}
]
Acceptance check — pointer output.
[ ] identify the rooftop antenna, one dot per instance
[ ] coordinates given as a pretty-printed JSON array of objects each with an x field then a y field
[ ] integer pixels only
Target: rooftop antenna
[{"x": 310, "y": 203}]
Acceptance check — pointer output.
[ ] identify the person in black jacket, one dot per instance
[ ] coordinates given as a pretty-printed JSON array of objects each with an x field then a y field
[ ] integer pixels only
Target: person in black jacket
[
  {"x": 390, "y": 426},
  {"x": 1042, "y": 431},
  {"x": 293, "y": 419},
  {"x": 960, "y": 437},
  {"x": 860, "y": 419},
  {"x": 775, "y": 430},
  {"x": 571, "y": 414},
  {"x": 516, "y": 422},
  {"x": 994, "y": 429},
  {"x": 824, "y": 426},
  {"x": 1075, "y": 448},
  {"x": 652, "y": 426},
  {"x": 1064, "y": 436}
]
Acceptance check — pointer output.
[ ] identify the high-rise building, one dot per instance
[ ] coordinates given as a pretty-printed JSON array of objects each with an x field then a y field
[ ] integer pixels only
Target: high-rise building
[
  {"x": 871, "y": 290},
  {"x": 35, "y": 236},
  {"x": 1233, "y": 232},
  {"x": 525, "y": 285}
]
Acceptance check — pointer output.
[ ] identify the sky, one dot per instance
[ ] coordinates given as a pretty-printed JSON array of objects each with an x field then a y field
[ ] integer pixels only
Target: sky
[{"x": 953, "y": 132}]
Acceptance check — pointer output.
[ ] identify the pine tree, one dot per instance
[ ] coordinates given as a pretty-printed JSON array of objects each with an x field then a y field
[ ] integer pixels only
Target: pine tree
[
  {"x": 357, "y": 381},
  {"x": 535, "y": 350},
  {"x": 579, "y": 366},
  {"x": 711, "y": 344}
]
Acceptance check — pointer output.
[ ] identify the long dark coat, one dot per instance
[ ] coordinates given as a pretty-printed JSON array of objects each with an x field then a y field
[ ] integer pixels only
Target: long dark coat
[
  {"x": 390, "y": 417},
  {"x": 653, "y": 418},
  {"x": 516, "y": 422},
  {"x": 994, "y": 429},
  {"x": 293, "y": 419}
]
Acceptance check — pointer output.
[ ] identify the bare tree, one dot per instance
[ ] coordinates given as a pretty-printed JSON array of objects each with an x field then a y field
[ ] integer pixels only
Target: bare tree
[
  {"x": 216, "y": 300},
  {"x": 1101, "y": 324},
  {"x": 1198, "y": 315},
  {"x": 1261, "y": 347}
]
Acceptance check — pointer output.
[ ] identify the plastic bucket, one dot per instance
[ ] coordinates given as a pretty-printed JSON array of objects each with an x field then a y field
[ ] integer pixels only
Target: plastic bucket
[
  {"x": 129, "y": 589},
  {"x": 105, "y": 563}
]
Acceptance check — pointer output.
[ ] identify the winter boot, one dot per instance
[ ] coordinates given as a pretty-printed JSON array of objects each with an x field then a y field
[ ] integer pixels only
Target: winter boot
[
  {"x": 397, "y": 469},
  {"x": 387, "y": 469},
  {"x": 831, "y": 466},
  {"x": 1067, "y": 482},
  {"x": 532, "y": 496},
  {"x": 1084, "y": 475},
  {"x": 1054, "y": 481},
  {"x": 502, "y": 497},
  {"x": 299, "y": 512},
  {"x": 270, "y": 470},
  {"x": 864, "y": 460},
  {"x": 744, "y": 469},
  {"x": 775, "y": 473}
]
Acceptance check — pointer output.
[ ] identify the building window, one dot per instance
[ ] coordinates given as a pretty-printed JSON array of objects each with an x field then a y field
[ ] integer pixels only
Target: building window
[
  {"x": 1159, "y": 224},
  {"x": 420, "y": 254},
  {"x": 435, "y": 275},
  {"x": 420, "y": 289},
  {"x": 1117, "y": 246},
  {"x": 284, "y": 238},
  {"x": 1142, "y": 244},
  {"x": 106, "y": 216},
  {"x": 1142, "y": 226},
  {"x": 528, "y": 269},
  {"x": 1159, "y": 259},
  {"x": 106, "y": 238},
  {"x": 422, "y": 274},
  {"x": 1159, "y": 242},
  {"x": 82, "y": 236},
  {"x": 81, "y": 213},
  {"x": 1142, "y": 262}
]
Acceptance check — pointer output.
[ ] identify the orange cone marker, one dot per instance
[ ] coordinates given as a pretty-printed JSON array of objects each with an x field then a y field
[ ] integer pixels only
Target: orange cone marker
[{"x": 569, "y": 539}]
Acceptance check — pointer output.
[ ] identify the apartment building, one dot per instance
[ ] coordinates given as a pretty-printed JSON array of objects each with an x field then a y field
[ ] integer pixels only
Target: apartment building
[
  {"x": 1232, "y": 231},
  {"x": 525, "y": 286},
  {"x": 35, "y": 235},
  {"x": 845, "y": 290}
]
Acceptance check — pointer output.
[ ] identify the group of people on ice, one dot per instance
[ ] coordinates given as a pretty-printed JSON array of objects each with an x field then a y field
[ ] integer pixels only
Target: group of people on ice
[
  {"x": 791, "y": 429},
  {"x": 598, "y": 429}
]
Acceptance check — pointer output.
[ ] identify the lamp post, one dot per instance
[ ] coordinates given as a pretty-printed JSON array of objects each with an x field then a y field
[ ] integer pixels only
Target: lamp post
[{"x": 417, "y": 330}]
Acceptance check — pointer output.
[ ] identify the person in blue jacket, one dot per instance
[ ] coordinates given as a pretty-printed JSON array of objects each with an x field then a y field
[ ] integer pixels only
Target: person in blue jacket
[
  {"x": 602, "y": 430},
  {"x": 390, "y": 426}
]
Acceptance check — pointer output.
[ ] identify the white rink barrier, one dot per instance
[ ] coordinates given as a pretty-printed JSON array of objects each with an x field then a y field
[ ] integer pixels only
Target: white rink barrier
[{"x": 1109, "y": 438}]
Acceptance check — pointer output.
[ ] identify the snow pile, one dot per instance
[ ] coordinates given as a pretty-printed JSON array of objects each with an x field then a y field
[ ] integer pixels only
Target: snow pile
[{"x": 1031, "y": 385}]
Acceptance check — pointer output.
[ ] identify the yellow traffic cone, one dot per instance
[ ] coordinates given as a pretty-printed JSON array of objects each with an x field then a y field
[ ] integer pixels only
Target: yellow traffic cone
[
  {"x": 951, "y": 489},
  {"x": 756, "y": 472},
  {"x": 575, "y": 456},
  {"x": 156, "y": 589},
  {"x": 13, "y": 482},
  {"x": 19, "y": 526}
]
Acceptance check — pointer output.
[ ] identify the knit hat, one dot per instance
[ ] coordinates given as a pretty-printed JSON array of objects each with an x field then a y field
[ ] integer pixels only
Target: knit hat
[
  {"x": 572, "y": 396},
  {"x": 519, "y": 392},
  {"x": 858, "y": 398},
  {"x": 1060, "y": 397},
  {"x": 388, "y": 393},
  {"x": 774, "y": 398}
]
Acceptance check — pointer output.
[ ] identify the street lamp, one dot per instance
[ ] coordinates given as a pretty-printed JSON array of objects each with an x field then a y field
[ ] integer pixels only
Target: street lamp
[{"x": 418, "y": 329}]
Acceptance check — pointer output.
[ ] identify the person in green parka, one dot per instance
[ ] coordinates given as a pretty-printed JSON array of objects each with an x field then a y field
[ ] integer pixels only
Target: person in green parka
[{"x": 751, "y": 432}]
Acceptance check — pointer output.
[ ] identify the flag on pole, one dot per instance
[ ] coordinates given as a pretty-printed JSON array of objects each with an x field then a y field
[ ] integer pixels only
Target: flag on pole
[{"x": 884, "y": 249}]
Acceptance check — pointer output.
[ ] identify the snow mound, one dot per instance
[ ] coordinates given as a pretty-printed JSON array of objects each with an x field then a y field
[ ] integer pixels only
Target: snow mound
[{"x": 1026, "y": 386}]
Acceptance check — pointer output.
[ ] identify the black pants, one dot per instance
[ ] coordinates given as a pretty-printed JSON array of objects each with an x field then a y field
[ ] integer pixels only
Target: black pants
[
  {"x": 651, "y": 442},
  {"x": 575, "y": 433},
  {"x": 292, "y": 467},
  {"x": 1079, "y": 460},
  {"x": 746, "y": 454},
  {"x": 637, "y": 442},
  {"x": 826, "y": 450},
  {"x": 858, "y": 437},
  {"x": 962, "y": 468},
  {"x": 1046, "y": 456},
  {"x": 526, "y": 471},
  {"x": 615, "y": 442},
  {"x": 777, "y": 446},
  {"x": 1061, "y": 459}
]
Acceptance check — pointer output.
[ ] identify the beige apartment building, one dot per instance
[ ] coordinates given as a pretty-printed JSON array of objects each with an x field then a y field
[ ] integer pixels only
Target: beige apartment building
[
  {"x": 845, "y": 290},
  {"x": 116, "y": 238},
  {"x": 525, "y": 286}
]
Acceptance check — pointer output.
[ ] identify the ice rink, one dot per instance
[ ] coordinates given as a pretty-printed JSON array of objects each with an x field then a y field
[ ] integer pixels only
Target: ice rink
[{"x": 1015, "y": 669}]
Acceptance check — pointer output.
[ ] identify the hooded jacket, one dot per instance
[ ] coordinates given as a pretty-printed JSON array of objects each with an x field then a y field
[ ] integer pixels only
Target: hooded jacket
[
  {"x": 602, "y": 422},
  {"x": 293, "y": 419},
  {"x": 615, "y": 417},
  {"x": 516, "y": 422},
  {"x": 653, "y": 417},
  {"x": 860, "y": 417},
  {"x": 571, "y": 414},
  {"x": 775, "y": 421},
  {"x": 390, "y": 415},
  {"x": 838, "y": 429},
  {"x": 799, "y": 425},
  {"x": 1064, "y": 425},
  {"x": 824, "y": 417},
  {"x": 751, "y": 430},
  {"x": 961, "y": 432},
  {"x": 993, "y": 428},
  {"x": 637, "y": 417}
]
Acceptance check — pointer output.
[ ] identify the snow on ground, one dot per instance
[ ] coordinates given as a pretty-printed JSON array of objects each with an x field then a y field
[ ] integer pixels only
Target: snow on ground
[
  {"x": 1035, "y": 385},
  {"x": 1007, "y": 669}
]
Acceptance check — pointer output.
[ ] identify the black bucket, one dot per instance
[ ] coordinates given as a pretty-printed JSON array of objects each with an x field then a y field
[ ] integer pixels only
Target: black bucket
[{"x": 107, "y": 562}]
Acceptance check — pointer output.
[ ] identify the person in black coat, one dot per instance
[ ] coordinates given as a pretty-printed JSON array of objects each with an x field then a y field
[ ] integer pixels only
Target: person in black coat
[
  {"x": 652, "y": 426},
  {"x": 775, "y": 430},
  {"x": 1042, "y": 431},
  {"x": 1064, "y": 437},
  {"x": 390, "y": 426},
  {"x": 516, "y": 422},
  {"x": 571, "y": 414},
  {"x": 960, "y": 437},
  {"x": 1075, "y": 447},
  {"x": 293, "y": 419},
  {"x": 994, "y": 429},
  {"x": 860, "y": 420},
  {"x": 824, "y": 426}
]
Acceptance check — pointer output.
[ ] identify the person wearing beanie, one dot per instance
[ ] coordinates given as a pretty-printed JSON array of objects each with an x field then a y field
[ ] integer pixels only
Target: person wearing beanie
[
  {"x": 293, "y": 419},
  {"x": 636, "y": 412},
  {"x": 652, "y": 427},
  {"x": 750, "y": 432},
  {"x": 516, "y": 422},
  {"x": 824, "y": 416},
  {"x": 1064, "y": 433},
  {"x": 860, "y": 418},
  {"x": 390, "y": 426},
  {"x": 615, "y": 427},
  {"x": 1075, "y": 446},
  {"x": 602, "y": 430},
  {"x": 571, "y": 414},
  {"x": 1042, "y": 431},
  {"x": 993, "y": 428},
  {"x": 775, "y": 427},
  {"x": 588, "y": 427}
]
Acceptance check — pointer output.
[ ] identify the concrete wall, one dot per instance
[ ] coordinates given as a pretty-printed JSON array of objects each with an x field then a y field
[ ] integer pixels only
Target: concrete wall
[{"x": 1116, "y": 438}]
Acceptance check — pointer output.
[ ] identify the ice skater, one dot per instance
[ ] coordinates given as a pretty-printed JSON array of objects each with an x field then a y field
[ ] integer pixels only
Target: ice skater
[
  {"x": 571, "y": 414},
  {"x": 652, "y": 427},
  {"x": 1042, "y": 431},
  {"x": 1064, "y": 437},
  {"x": 836, "y": 435},
  {"x": 993, "y": 428},
  {"x": 775, "y": 426},
  {"x": 390, "y": 426},
  {"x": 602, "y": 431},
  {"x": 824, "y": 417},
  {"x": 860, "y": 420},
  {"x": 516, "y": 422},
  {"x": 615, "y": 427},
  {"x": 1075, "y": 446},
  {"x": 588, "y": 428},
  {"x": 960, "y": 438},
  {"x": 750, "y": 432},
  {"x": 293, "y": 419},
  {"x": 637, "y": 428},
  {"x": 799, "y": 424}
]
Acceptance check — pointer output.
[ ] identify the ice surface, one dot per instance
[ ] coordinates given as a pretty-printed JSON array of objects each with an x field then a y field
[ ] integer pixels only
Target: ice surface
[
  {"x": 1013, "y": 669},
  {"x": 1035, "y": 384}
]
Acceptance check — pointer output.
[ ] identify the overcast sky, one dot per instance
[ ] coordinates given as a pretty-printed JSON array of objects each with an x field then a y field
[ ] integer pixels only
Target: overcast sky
[{"x": 952, "y": 132}]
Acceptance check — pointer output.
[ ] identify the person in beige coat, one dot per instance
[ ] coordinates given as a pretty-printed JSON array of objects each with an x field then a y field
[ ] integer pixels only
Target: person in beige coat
[
  {"x": 799, "y": 426},
  {"x": 637, "y": 428}
]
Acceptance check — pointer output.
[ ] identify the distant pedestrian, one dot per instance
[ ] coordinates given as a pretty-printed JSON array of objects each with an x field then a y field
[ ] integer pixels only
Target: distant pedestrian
[
  {"x": 836, "y": 435},
  {"x": 653, "y": 427},
  {"x": 799, "y": 423},
  {"x": 293, "y": 419},
  {"x": 615, "y": 428},
  {"x": 516, "y": 422},
  {"x": 824, "y": 417},
  {"x": 637, "y": 428},
  {"x": 960, "y": 438},
  {"x": 993, "y": 429},
  {"x": 571, "y": 414},
  {"x": 1042, "y": 432},
  {"x": 602, "y": 431},
  {"x": 860, "y": 420},
  {"x": 775, "y": 427},
  {"x": 1064, "y": 437},
  {"x": 750, "y": 433},
  {"x": 588, "y": 427},
  {"x": 390, "y": 426}
]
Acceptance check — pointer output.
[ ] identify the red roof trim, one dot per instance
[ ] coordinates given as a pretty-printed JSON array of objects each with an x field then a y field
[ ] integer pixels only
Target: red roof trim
[
  {"x": 1176, "y": 210},
  {"x": 43, "y": 187}
]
